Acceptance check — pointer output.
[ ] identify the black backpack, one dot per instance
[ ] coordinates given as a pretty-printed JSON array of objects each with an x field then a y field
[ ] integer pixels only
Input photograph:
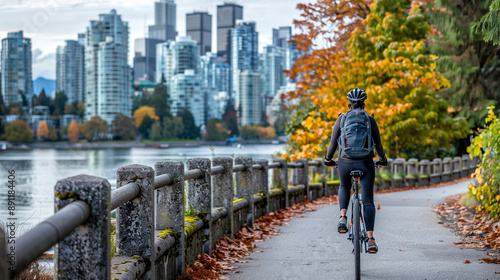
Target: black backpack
[{"x": 356, "y": 134}]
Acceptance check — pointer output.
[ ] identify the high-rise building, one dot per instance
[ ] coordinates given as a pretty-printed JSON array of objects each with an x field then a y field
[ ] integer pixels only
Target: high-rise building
[
  {"x": 281, "y": 36},
  {"x": 187, "y": 92},
  {"x": 199, "y": 28},
  {"x": 145, "y": 59},
  {"x": 216, "y": 76},
  {"x": 245, "y": 55},
  {"x": 272, "y": 64},
  {"x": 215, "y": 73},
  {"x": 227, "y": 15},
  {"x": 16, "y": 60},
  {"x": 249, "y": 101},
  {"x": 165, "y": 21},
  {"x": 70, "y": 68},
  {"x": 176, "y": 57},
  {"x": 108, "y": 77}
]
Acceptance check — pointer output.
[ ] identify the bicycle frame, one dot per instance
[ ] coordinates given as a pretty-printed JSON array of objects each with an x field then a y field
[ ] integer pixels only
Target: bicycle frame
[{"x": 362, "y": 234}]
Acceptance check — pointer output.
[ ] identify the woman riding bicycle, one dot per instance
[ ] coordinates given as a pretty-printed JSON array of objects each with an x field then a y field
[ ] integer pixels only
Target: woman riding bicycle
[{"x": 348, "y": 163}]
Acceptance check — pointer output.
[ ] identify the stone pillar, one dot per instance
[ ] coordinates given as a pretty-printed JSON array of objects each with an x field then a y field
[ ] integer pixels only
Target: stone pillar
[
  {"x": 244, "y": 184},
  {"x": 88, "y": 246},
  {"x": 135, "y": 224},
  {"x": 424, "y": 172},
  {"x": 3, "y": 255},
  {"x": 170, "y": 206},
  {"x": 447, "y": 170},
  {"x": 280, "y": 177},
  {"x": 260, "y": 180},
  {"x": 436, "y": 171},
  {"x": 200, "y": 196},
  {"x": 223, "y": 189},
  {"x": 457, "y": 167},
  {"x": 301, "y": 175},
  {"x": 321, "y": 170},
  {"x": 465, "y": 166}
]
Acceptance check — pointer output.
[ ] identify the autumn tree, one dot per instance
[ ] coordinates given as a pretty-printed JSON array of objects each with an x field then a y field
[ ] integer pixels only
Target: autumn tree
[
  {"x": 124, "y": 128},
  {"x": 92, "y": 128},
  {"x": 229, "y": 120},
  {"x": 73, "y": 132},
  {"x": 469, "y": 62},
  {"x": 140, "y": 113},
  {"x": 53, "y": 136},
  {"x": 42, "y": 131},
  {"x": 387, "y": 56},
  {"x": 215, "y": 131},
  {"x": 18, "y": 132}
]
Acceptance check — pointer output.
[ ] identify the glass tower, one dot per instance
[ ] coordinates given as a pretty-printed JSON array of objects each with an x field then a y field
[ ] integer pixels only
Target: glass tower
[
  {"x": 17, "y": 81},
  {"x": 227, "y": 15},
  {"x": 70, "y": 67},
  {"x": 165, "y": 21},
  {"x": 108, "y": 77},
  {"x": 199, "y": 28}
]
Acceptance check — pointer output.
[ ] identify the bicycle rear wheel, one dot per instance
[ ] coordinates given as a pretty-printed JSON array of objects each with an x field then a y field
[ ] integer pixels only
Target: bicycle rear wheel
[{"x": 357, "y": 241}]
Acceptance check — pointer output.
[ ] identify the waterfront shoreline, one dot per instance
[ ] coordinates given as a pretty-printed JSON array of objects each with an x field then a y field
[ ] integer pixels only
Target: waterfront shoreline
[{"x": 125, "y": 145}]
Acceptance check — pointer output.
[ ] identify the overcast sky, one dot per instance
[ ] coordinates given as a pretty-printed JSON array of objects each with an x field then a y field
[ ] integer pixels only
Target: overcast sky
[{"x": 50, "y": 22}]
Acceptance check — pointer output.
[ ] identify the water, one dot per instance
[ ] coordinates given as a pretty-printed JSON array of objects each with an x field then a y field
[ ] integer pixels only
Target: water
[{"x": 37, "y": 171}]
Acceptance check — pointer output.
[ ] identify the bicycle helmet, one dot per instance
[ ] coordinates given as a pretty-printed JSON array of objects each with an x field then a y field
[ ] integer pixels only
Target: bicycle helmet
[{"x": 356, "y": 94}]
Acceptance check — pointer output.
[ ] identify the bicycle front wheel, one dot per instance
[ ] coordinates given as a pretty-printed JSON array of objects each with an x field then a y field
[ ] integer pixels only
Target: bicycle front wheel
[{"x": 357, "y": 241}]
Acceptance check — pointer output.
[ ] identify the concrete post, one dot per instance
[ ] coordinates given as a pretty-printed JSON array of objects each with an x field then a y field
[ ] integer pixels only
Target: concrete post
[
  {"x": 3, "y": 255},
  {"x": 465, "y": 165},
  {"x": 280, "y": 177},
  {"x": 321, "y": 170},
  {"x": 223, "y": 189},
  {"x": 424, "y": 171},
  {"x": 135, "y": 229},
  {"x": 85, "y": 253},
  {"x": 260, "y": 180},
  {"x": 244, "y": 185},
  {"x": 436, "y": 171},
  {"x": 457, "y": 167},
  {"x": 170, "y": 206},
  {"x": 447, "y": 170},
  {"x": 302, "y": 176},
  {"x": 200, "y": 196}
]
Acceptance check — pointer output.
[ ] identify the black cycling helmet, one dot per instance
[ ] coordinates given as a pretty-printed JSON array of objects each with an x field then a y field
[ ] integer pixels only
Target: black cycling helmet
[{"x": 356, "y": 94}]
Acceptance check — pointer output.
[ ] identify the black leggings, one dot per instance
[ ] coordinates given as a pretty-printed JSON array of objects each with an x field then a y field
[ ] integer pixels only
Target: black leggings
[{"x": 367, "y": 181}]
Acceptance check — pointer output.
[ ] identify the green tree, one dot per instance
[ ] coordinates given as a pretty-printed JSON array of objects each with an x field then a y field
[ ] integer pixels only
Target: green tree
[
  {"x": 18, "y": 132},
  {"x": 53, "y": 136},
  {"x": 229, "y": 119},
  {"x": 191, "y": 131},
  {"x": 92, "y": 128},
  {"x": 156, "y": 131},
  {"x": 249, "y": 132},
  {"x": 3, "y": 109},
  {"x": 42, "y": 99},
  {"x": 80, "y": 109},
  {"x": 215, "y": 131},
  {"x": 173, "y": 128},
  {"x": 145, "y": 127},
  {"x": 489, "y": 25},
  {"x": 159, "y": 102},
  {"x": 124, "y": 128},
  {"x": 465, "y": 59},
  {"x": 59, "y": 103}
]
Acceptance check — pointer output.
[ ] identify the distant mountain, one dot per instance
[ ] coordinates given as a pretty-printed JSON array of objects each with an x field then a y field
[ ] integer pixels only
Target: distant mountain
[{"x": 42, "y": 83}]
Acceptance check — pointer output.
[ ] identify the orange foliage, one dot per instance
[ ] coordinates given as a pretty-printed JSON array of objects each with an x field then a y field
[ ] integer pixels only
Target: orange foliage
[
  {"x": 73, "y": 131},
  {"x": 42, "y": 130}
]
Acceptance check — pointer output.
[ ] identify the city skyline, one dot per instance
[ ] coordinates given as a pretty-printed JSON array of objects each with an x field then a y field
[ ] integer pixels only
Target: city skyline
[{"x": 51, "y": 24}]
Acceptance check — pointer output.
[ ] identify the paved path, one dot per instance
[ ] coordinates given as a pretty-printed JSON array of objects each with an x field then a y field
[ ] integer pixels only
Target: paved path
[{"x": 412, "y": 245}]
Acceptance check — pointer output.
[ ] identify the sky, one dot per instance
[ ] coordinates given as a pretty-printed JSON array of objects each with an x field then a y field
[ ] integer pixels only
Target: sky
[{"x": 49, "y": 23}]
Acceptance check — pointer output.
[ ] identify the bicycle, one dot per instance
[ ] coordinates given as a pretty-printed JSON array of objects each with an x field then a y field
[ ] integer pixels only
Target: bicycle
[{"x": 357, "y": 228}]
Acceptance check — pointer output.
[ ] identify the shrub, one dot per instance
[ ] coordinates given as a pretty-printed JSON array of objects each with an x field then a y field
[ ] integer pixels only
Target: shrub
[{"x": 486, "y": 145}]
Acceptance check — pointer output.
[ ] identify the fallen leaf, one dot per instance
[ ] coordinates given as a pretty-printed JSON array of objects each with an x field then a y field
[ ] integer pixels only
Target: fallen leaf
[
  {"x": 440, "y": 240},
  {"x": 378, "y": 207},
  {"x": 402, "y": 250},
  {"x": 466, "y": 261}
]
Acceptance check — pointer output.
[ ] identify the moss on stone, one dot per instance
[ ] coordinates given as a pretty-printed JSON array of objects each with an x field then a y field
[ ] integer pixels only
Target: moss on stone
[
  {"x": 166, "y": 233},
  {"x": 238, "y": 200},
  {"x": 136, "y": 257},
  {"x": 333, "y": 182},
  {"x": 68, "y": 195},
  {"x": 124, "y": 269}
]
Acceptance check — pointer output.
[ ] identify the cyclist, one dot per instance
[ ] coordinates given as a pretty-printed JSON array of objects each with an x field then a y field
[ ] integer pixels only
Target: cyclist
[{"x": 356, "y": 99}]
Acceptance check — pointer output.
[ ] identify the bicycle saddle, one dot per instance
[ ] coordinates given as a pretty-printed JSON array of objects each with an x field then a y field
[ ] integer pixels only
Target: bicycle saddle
[{"x": 356, "y": 173}]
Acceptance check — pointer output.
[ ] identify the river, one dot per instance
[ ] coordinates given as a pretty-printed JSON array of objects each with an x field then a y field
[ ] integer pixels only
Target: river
[{"x": 37, "y": 171}]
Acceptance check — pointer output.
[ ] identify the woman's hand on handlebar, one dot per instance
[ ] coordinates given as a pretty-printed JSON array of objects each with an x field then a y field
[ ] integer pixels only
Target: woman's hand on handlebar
[
  {"x": 380, "y": 164},
  {"x": 331, "y": 163}
]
